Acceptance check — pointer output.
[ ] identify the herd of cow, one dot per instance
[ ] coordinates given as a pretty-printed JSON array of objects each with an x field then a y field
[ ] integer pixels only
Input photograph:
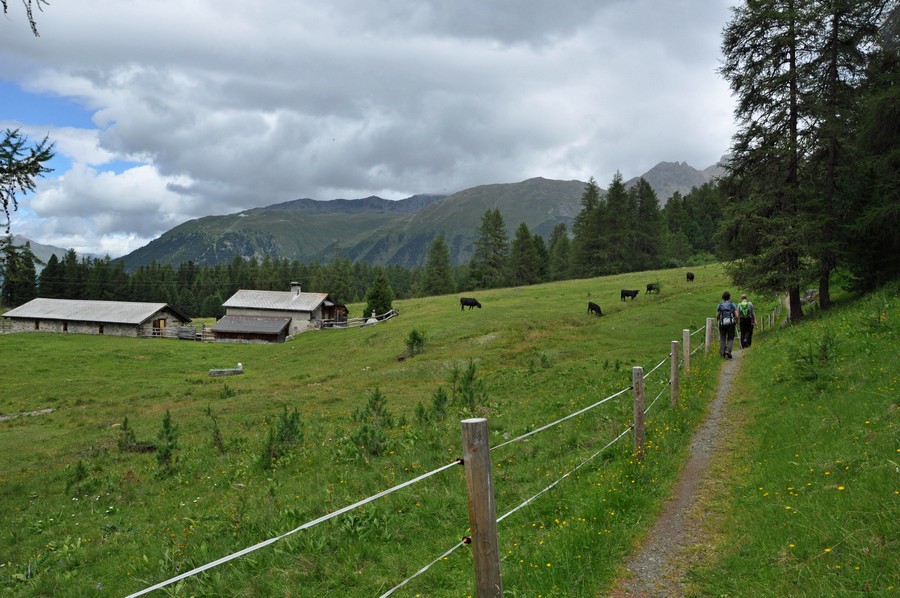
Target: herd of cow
[{"x": 593, "y": 308}]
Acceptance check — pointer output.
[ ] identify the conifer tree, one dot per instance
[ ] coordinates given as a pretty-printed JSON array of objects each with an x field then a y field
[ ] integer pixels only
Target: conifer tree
[
  {"x": 380, "y": 296},
  {"x": 489, "y": 262},
  {"x": 437, "y": 277},
  {"x": 587, "y": 243},
  {"x": 559, "y": 266},
  {"x": 524, "y": 262},
  {"x": 762, "y": 233}
]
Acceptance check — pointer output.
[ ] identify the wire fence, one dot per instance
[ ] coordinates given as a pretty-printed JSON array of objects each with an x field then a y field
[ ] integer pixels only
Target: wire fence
[{"x": 424, "y": 476}]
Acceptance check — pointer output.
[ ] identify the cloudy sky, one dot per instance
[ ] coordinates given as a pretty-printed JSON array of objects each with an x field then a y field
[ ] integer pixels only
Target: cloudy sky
[{"x": 163, "y": 111}]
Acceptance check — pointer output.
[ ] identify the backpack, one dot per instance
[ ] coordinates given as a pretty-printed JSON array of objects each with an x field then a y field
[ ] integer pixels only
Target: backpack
[
  {"x": 726, "y": 315},
  {"x": 744, "y": 309}
]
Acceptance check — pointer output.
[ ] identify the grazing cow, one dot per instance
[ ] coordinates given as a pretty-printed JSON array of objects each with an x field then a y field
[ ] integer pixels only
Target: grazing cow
[
  {"x": 594, "y": 308},
  {"x": 468, "y": 302},
  {"x": 652, "y": 286},
  {"x": 690, "y": 277},
  {"x": 632, "y": 294}
]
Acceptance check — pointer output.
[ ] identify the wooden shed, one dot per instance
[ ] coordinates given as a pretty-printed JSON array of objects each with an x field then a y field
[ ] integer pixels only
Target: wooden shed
[{"x": 113, "y": 318}]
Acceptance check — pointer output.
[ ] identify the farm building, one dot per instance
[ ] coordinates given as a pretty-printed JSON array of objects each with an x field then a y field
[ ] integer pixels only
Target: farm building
[
  {"x": 114, "y": 318},
  {"x": 272, "y": 316}
]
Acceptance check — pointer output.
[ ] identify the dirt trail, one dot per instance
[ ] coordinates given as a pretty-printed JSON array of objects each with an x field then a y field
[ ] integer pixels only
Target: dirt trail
[{"x": 658, "y": 567}]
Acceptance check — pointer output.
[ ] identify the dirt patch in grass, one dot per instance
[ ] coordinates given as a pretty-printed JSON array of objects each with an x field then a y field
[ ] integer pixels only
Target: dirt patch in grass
[{"x": 684, "y": 533}]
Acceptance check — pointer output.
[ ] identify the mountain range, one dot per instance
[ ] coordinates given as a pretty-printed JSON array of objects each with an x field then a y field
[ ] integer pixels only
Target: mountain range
[{"x": 380, "y": 231}]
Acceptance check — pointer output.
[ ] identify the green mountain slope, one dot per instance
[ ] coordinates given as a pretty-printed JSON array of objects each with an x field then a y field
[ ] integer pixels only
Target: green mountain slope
[
  {"x": 372, "y": 229},
  {"x": 381, "y": 231}
]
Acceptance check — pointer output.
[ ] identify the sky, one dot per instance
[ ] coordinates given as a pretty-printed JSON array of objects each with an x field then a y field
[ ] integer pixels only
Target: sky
[{"x": 165, "y": 111}]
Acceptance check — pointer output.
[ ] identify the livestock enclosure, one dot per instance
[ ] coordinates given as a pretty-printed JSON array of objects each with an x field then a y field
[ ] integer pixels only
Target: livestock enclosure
[{"x": 86, "y": 513}]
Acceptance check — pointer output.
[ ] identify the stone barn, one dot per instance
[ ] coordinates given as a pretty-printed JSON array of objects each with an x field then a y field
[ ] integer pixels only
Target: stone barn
[
  {"x": 113, "y": 318},
  {"x": 272, "y": 316}
]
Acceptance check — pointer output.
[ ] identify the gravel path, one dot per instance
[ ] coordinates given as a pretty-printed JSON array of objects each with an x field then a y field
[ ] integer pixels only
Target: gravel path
[{"x": 658, "y": 567}]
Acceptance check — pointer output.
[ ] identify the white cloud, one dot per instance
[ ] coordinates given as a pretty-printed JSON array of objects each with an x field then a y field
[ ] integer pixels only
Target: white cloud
[{"x": 231, "y": 105}]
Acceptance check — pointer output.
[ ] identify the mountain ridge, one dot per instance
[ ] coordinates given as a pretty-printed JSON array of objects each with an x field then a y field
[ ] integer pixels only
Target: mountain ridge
[{"x": 381, "y": 231}]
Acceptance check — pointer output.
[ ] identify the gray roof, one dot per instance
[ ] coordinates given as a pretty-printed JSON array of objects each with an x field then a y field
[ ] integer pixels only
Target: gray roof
[
  {"x": 111, "y": 312},
  {"x": 251, "y": 324},
  {"x": 276, "y": 300}
]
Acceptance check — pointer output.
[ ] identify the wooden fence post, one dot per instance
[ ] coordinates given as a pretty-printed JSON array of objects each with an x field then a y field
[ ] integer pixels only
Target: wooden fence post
[
  {"x": 686, "y": 351},
  {"x": 482, "y": 510},
  {"x": 637, "y": 383},
  {"x": 673, "y": 376},
  {"x": 710, "y": 326}
]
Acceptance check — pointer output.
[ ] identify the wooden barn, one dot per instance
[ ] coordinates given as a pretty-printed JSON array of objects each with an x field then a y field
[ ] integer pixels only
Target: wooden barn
[
  {"x": 272, "y": 316},
  {"x": 113, "y": 318}
]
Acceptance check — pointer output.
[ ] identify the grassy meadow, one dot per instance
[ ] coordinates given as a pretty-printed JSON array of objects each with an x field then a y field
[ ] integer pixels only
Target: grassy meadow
[
  {"x": 807, "y": 501},
  {"x": 85, "y": 512}
]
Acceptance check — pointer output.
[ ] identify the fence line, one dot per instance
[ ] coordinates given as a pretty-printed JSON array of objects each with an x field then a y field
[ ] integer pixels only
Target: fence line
[
  {"x": 656, "y": 367},
  {"x": 358, "y": 322},
  {"x": 701, "y": 329},
  {"x": 306, "y": 525},
  {"x": 548, "y": 488},
  {"x": 383, "y": 493},
  {"x": 462, "y": 542},
  {"x": 657, "y": 396},
  {"x": 562, "y": 419}
]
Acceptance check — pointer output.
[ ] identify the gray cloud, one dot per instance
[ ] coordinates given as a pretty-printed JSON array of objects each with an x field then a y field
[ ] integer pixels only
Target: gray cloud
[{"x": 230, "y": 105}]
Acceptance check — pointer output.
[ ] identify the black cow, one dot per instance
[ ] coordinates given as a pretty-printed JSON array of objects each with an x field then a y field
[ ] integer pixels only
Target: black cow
[
  {"x": 594, "y": 308},
  {"x": 632, "y": 294},
  {"x": 652, "y": 286},
  {"x": 468, "y": 302},
  {"x": 690, "y": 277}
]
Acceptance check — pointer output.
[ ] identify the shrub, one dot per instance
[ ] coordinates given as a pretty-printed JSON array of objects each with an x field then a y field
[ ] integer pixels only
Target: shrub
[
  {"x": 283, "y": 435},
  {"x": 415, "y": 342},
  {"x": 371, "y": 437}
]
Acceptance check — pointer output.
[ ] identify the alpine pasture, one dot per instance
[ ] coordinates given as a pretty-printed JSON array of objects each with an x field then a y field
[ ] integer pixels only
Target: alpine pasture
[{"x": 334, "y": 416}]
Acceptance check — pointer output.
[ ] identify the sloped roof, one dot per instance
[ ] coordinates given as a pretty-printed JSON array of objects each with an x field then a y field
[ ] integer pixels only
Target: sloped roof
[
  {"x": 110, "y": 312},
  {"x": 280, "y": 300},
  {"x": 251, "y": 324}
]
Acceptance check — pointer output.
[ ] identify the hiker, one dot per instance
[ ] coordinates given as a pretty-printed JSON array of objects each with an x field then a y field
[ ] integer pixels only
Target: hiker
[
  {"x": 746, "y": 321},
  {"x": 726, "y": 316}
]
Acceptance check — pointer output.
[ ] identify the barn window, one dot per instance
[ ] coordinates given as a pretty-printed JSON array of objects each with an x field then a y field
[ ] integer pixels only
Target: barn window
[
  {"x": 65, "y": 326},
  {"x": 100, "y": 331},
  {"x": 37, "y": 324}
]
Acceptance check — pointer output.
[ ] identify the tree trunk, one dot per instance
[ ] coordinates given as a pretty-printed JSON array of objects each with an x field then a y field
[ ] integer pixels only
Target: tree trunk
[
  {"x": 824, "y": 287},
  {"x": 795, "y": 310}
]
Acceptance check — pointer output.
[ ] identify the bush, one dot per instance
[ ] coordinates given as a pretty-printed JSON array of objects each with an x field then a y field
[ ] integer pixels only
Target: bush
[
  {"x": 415, "y": 342},
  {"x": 283, "y": 435},
  {"x": 371, "y": 437}
]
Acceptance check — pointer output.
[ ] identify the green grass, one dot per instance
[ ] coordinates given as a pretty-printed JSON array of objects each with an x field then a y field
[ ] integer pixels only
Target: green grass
[
  {"x": 83, "y": 517},
  {"x": 812, "y": 484}
]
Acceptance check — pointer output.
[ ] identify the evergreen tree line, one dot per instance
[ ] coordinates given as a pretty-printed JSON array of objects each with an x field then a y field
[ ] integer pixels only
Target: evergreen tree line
[
  {"x": 676, "y": 233},
  {"x": 813, "y": 183}
]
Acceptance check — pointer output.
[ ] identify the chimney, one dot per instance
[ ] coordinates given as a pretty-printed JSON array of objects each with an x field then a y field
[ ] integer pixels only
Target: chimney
[{"x": 295, "y": 288}]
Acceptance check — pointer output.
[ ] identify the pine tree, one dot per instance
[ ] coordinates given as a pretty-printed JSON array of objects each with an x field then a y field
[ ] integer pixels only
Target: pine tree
[
  {"x": 20, "y": 165},
  {"x": 617, "y": 220},
  {"x": 489, "y": 262},
  {"x": 763, "y": 230},
  {"x": 648, "y": 228},
  {"x": 51, "y": 283},
  {"x": 559, "y": 266},
  {"x": 380, "y": 296},
  {"x": 844, "y": 30},
  {"x": 587, "y": 243},
  {"x": 524, "y": 263},
  {"x": 876, "y": 177},
  {"x": 18, "y": 274},
  {"x": 437, "y": 279}
]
